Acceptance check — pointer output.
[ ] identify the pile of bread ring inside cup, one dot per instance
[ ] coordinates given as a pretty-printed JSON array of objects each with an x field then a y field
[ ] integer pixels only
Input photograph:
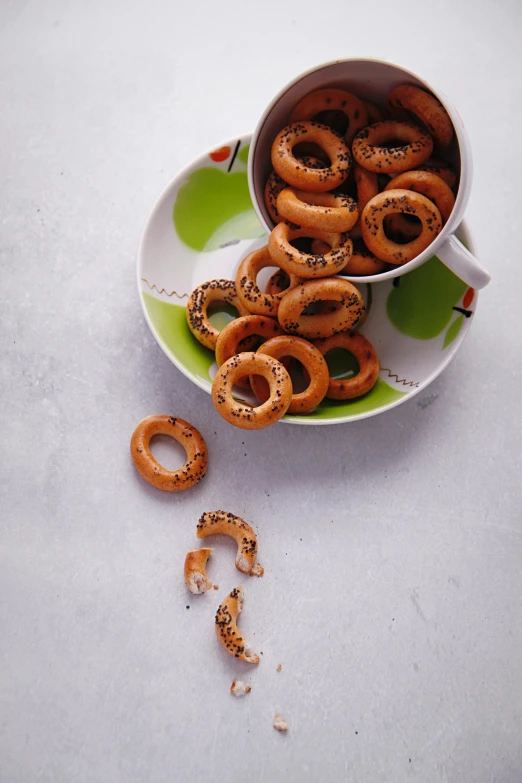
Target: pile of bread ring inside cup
[{"x": 344, "y": 202}]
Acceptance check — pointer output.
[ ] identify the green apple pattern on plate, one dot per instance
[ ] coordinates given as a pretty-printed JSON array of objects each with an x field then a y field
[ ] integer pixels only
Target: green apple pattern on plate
[{"x": 204, "y": 224}]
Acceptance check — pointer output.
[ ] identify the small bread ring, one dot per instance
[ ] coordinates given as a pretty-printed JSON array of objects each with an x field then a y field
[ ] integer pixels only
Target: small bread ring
[
  {"x": 370, "y": 154},
  {"x": 188, "y": 436},
  {"x": 198, "y": 302},
  {"x": 329, "y": 212},
  {"x": 251, "y": 296},
  {"x": 358, "y": 345},
  {"x": 245, "y": 416},
  {"x": 224, "y": 523},
  {"x": 367, "y": 187},
  {"x": 291, "y": 168},
  {"x": 196, "y": 577},
  {"x": 387, "y": 203},
  {"x": 363, "y": 262},
  {"x": 331, "y": 99},
  {"x": 227, "y": 631},
  {"x": 430, "y": 185},
  {"x": 424, "y": 106},
  {"x": 303, "y": 264},
  {"x": 442, "y": 170},
  {"x": 312, "y": 361},
  {"x": 274, "y": 186},
  {"x": 236, "y": 331},
  {"x": 334, "y": 289}
]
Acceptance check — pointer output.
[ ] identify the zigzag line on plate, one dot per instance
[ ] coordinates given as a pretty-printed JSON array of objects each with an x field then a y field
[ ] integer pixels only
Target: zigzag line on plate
[
  {"x": 399, "y": 380},
  {"x": 163, "y": 291}
]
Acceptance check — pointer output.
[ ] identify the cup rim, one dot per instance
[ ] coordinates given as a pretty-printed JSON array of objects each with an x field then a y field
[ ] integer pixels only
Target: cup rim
[{"x": 464, "y": 148}]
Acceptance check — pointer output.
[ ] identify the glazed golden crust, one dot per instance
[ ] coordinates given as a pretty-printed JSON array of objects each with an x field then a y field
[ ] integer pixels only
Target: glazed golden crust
[
  {"x": 307, "y": 265},
  {"x": 240, "y": 414},
  {"x": 332, "y": 99},
  {"x": 361, "y": 383},
  {"x": 227, "y": 524},
  {"x": 426, "y": 107},
  {"x": 256, "y": 301},
  {"x": 328, "y": 212},
  {"x": 369, "y": 152},
  {"x": 149, "y": 468},
  {"x": 227, "y": 631},
  {"x": 334, "y": 289},
  {"x": 430, "y": 185},
  {"x": 198, "y": 302},
  {"x": 292, "y": 170},
  {"x": 409, "y": 203}
]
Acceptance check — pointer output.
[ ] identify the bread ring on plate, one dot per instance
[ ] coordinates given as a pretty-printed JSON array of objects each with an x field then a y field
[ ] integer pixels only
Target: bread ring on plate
[
  {"x": 196, "y": 577},
  {"x": 369, "y": 152},
  {"x": 303, "y": 264},
  {"x": 198, "y": 302},
  {"x": 332, "y": 99},
  {"x": 442, "y": 170},
  {"x": 149, "y": 468},
  {"x": 236, "y": 331},
  {"x": 312, "y": 361},
  {"x": 387, "y": 203},
  {"x": 227, "y": 631},
  {"x": 334, "y": 289},
  {"x": 292, "y": 169},
  {"x": 258, "y": 302},
  {"x": 226, "y": 524},
  {"x": 330, "y": 212},
  {"x": 426, "y": 107},
  {"x": 240, "y": 414},
  {"x": 430, "y": 185},
  {"x": 361, "y": 383}
]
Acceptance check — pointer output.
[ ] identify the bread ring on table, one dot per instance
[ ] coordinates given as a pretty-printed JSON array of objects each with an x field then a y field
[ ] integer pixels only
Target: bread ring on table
[
  {"x": 332, "y": 99},
  {"x": 226, "y": 524},
  {"x": 369, "y": 152},
  {"x": 387, "y": 203},
  {"x": 441, "y": 169},
  {"x": 255, "y": 300},
  {"x": 424, "y": 106},
  {"x": 335, "y": 289},
  {"x": 196, "y": 577},
  {"x": 303, "y": 177},
  {"x": 329, "y": 212},
  {"x": 236, "y": 331},
  {"x": 227, "y": 631},
  {"x": 149, "y": 468},
  {"x": 274, "y": 185},
  {"x": 361, "y": 383},
  {"x": 198, "y": 302},
  {"x": 312, "y": 361},
  {"x": 303, "y": 264},
  {"x": 240, "y": 414},
  {"x": 430, "y": 185}
]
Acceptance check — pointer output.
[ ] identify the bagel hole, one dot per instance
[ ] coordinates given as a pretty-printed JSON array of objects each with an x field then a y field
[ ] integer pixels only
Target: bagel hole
[
  {"x": 281, "y": 281},
  {"x": 264, "y": 275},
  {"x": 312, "y": 149},
  {"x": 299, "y": 376},
  {"x": 220, "y": 314},
  {"x": 334, "y": 118},
  {"x": 303, "y": 244},
  {"x": 341, "y": 364},
  {"x": 400, "y": 237},
  {"x": 168, "y": 452},
  {"x": 322, "y": 307},
  {"x": 393, "y": 144}
]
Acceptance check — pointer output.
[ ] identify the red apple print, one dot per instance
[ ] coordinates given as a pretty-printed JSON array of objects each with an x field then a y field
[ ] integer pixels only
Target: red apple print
[
  {"x": 221, "y": 154},
  {"x": 468, "y": 297}
]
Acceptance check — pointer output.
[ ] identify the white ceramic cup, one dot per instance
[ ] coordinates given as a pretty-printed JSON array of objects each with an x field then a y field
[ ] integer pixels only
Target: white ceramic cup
[{"x": 372, "y": 80}]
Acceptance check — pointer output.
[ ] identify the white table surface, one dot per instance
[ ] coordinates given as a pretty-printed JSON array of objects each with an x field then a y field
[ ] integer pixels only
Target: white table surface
[{"x": 393, "y": 546}]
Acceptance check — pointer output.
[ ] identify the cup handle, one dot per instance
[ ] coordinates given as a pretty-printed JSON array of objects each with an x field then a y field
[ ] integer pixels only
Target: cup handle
[{"x": 457, "y": 257}]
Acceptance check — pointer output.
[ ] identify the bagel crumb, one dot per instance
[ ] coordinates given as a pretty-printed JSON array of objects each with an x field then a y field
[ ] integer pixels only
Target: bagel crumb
[
  {"x": 280, "y": 723},
  {"x": 238, "y": 688},
  {"x": 257, "y": 570},
  {"x": 279, "y": 668},
  {"x": 216, "y": 587}
]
